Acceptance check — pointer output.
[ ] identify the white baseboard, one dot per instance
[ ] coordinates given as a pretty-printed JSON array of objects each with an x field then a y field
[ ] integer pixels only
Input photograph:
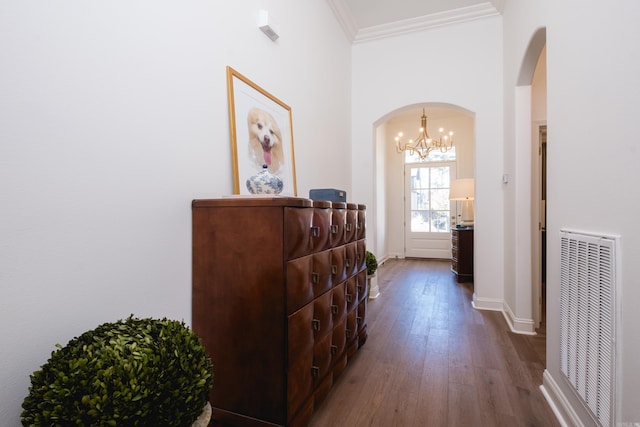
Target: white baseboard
[
  {"x": 518, "y": 325},
  {"x": 559, "y": 404},
  {"x": 486, "y": 303}
]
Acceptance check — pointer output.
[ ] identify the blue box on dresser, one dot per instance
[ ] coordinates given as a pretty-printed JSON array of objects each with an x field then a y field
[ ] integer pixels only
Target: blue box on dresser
[{"x": 330, "y": 194}]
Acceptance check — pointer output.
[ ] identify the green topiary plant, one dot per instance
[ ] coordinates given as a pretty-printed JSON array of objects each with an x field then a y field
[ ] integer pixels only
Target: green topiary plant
[
  {"x": 372, "y": 263},
  {"x": 134, "y": 372}
]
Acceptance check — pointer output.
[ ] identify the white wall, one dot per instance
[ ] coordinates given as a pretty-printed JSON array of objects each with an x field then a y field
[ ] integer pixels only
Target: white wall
[
  {"x": 539, "y": 90},
  {"x": 592, "y": 85},
  {"x": 459, "y": 65},
  {"x": 379, "y": 246},
  {"x": 394, "y": 184},
  {"x": 113, "y": 117}
]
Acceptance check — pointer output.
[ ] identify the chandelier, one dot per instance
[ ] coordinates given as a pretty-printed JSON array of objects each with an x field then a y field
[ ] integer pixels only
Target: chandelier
[{"x": 424, "y": 144}]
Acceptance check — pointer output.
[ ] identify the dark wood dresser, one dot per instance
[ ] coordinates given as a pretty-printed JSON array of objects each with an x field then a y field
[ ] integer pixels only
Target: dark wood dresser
[
  {"x": 462, "y": 254},
  {"x": 279, "y": 300}
]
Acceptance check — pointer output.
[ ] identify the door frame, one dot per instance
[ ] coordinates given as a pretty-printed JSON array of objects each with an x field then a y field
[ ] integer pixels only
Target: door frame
[{"x": 539, "y": 137}]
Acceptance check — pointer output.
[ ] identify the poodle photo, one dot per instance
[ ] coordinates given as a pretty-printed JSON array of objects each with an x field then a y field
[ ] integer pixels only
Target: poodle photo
[{"x": 265, "y": 140}]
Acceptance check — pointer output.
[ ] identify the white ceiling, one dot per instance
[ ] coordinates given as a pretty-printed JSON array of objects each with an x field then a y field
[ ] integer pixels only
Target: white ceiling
[{"x": 364, "y": 20}]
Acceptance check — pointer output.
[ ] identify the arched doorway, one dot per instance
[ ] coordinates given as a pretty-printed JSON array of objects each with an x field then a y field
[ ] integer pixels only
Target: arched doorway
[
  {"x": 530, "y": 118},
  {"x": 391, "y": 182}
]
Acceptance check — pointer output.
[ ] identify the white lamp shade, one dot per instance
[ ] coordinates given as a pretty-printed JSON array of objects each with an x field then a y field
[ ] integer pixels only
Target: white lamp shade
[{"x": 462, "y": 189}]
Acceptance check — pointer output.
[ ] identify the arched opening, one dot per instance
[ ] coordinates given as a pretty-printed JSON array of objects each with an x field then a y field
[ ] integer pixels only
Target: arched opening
[
  {"x": 529, "y": 208},
  {"x": 390, "y": 164}
]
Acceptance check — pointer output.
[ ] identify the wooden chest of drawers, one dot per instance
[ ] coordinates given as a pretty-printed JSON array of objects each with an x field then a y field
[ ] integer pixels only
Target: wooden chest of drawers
[
  {"x": 279, "y": 300},
  {"x": 462, "y": 254}
]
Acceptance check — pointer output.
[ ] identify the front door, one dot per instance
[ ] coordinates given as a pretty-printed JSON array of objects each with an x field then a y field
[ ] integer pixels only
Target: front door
[{"x": 428, "y": 210}]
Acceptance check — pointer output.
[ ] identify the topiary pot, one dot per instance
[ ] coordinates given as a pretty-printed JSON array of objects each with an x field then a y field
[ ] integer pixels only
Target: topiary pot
[{"x": 134, "y": 372}]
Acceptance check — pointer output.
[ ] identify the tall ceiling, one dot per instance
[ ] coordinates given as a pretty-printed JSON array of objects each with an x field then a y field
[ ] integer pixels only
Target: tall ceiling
[
  {"x": 372, "y": 19},
  {"x": 364, "y": 20}
]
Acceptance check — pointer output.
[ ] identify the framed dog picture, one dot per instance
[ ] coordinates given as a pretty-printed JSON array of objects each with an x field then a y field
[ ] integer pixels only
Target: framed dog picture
[{"x": 261, "y": 137}]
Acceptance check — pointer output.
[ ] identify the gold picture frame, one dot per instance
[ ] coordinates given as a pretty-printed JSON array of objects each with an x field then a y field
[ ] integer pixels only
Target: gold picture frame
[{"x": 261, "y": 134}]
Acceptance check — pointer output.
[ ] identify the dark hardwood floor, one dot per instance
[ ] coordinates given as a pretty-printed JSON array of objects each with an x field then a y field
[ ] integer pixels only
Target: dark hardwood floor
[{"x": 431, "y": 359}]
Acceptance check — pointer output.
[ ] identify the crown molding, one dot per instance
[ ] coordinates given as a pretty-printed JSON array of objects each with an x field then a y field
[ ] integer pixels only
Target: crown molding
[
  {"x": 345, "y": 18},
  {"x": 498, "y": 4},
  {"x": 348, "y": 23},
  {"x": 426, "y": 22}
]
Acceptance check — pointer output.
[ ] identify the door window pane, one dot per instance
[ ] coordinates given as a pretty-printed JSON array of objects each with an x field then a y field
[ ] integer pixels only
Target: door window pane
[
  {"x": 419, "y": 178},
  {"x": 420, "y": 221},
  {"x": 419, "y": 200},
  {"x": 440, "y": 177},
  {"x": 430, "y": 207},
  {"x": 440, "y": 199},
  {"x": 440, "y": 221}
]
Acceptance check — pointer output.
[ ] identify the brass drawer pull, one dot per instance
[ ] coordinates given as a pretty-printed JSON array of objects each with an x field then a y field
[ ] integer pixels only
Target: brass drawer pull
[
  {"x": 334, "y": 229},
  {"x": 334, "y": 269},
  {"x": 348, "y": 333},
  {"x": 348, "y": 262},
  {"x": 315, "y": 324},
  {"x": 315, "y": 371},
  {"x": 347, "y": 226},
  {"x": 360, "y": 288},
  {"x": 315, "y": 278},
  {"x": 334, "y": 350},
  {"x": 349, "y": 298},
  {"x": 315, "y": 231},
  {"x": 334, "y": 309}
]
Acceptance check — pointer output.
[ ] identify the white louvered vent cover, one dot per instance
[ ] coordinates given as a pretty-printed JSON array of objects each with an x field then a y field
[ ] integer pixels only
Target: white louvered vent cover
[{"x": 587, "y": 320}]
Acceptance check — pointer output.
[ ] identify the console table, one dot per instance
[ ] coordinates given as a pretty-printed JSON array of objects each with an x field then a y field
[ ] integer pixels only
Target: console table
[{"x": 462, "y": 253}]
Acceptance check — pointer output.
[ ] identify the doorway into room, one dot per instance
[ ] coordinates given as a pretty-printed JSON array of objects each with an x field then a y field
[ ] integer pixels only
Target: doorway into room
[
  {"x": 542, "y": 132},
  {"x": 538, "y": 143}
]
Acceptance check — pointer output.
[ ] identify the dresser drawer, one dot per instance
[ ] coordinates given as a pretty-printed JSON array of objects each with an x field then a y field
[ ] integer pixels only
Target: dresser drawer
[
  {"x": 351, "y": 223},
  {"x": 351, "y": 293},
  {"x": 322, "y": 322},
  {"x": 361, "y": 255},
  {"x": 300, "y": 332},
  {"x": 338, "y": 220},
  {"x": 321, "y": 226},
  {"x": 338, "y": 264},
  {"x": 299, "y": 381},
  {"x": 350, "y": 261},
  {"x": 299, "y": 283},
  {"x": 298, "y": 230},
  {"x": 361, "y": 227}
]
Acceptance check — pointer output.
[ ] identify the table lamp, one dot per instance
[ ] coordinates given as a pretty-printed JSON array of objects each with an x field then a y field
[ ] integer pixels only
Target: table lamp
[{"x": 464, "y": 189}]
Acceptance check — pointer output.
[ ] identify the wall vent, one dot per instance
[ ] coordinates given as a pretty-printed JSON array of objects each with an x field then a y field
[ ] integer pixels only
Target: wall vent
[{"x": 587, "y": 320}]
